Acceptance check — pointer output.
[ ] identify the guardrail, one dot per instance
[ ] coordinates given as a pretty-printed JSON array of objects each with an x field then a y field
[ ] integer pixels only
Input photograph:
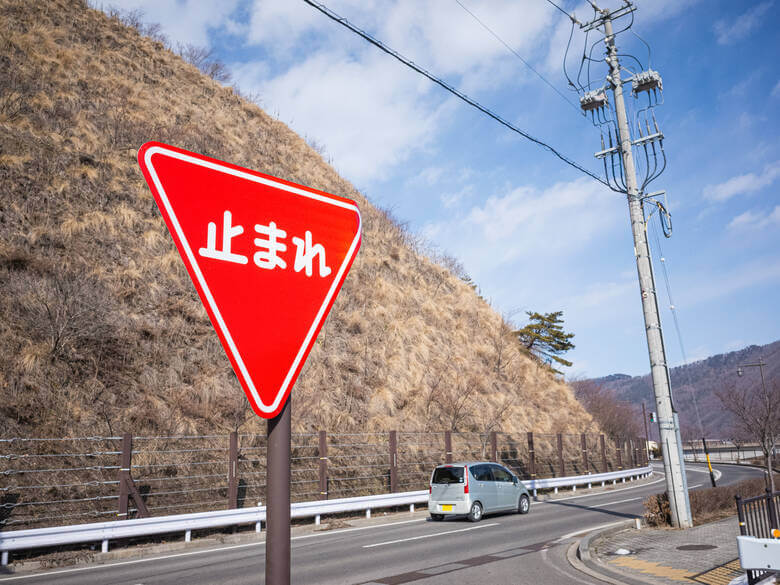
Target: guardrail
[
  {"x": 573, "y": 481},
  {"x": 106, "y": 531}
]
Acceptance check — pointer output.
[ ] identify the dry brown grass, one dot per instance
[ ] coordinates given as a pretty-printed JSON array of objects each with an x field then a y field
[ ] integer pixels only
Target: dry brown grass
[{"x": 408, "y": 345}]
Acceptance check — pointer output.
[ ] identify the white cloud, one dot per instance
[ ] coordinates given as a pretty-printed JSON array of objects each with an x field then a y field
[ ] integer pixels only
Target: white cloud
[
  {"x": 536, "y": 225},
  {"x": 368, "y": 113},
  {"x": 743, "y": 184},
  {"x": 727, "y": 281},
  {"x": 755, "y": 220},
  {"x": 187, "y": 21},
  {"x": 452, "y": 199},
  {"x": 603, "y": 294},
  {"x": 776, "y": 90},
  {"x": 728, "y": 32}
]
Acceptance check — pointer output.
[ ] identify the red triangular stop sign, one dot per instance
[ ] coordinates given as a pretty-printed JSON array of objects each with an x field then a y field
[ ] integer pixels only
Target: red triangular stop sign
[{"x": 267, "y": 256}]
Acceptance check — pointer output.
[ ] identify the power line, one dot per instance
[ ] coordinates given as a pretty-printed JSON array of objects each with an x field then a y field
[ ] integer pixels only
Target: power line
[
  {"x": 344, "y": 22},
  {"x": 516, "y": 54},
  {"x": 673, "y": 309},
  {"x": 562, "y": 10}
]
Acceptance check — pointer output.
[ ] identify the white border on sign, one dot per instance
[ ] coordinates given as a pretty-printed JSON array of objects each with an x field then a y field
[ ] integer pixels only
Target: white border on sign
[{"x": 202, "y": 281}]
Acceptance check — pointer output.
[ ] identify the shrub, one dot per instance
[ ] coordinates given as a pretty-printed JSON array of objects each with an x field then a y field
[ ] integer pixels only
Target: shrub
[
  {"x": 657, "y": 511},
  {"x": 707, "y": 505}
]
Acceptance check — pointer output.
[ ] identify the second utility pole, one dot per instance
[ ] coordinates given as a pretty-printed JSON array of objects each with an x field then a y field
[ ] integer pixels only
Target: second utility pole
[{"x": 668, "y": 423}]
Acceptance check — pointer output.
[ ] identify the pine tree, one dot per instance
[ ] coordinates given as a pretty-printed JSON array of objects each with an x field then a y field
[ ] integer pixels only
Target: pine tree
[{"x": 544, "y": 337}]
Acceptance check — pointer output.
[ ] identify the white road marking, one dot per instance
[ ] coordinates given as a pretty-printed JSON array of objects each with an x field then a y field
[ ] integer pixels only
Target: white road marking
[
  {"x": 584, "y": 530},
  {"x": 430, "y": 535},
  {"x": 612, "y": 503},
  {"x": 197, "y": 552}
]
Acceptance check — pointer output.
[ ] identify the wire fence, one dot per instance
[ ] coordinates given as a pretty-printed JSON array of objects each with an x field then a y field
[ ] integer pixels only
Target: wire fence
[{"x": 59, "y": 481}]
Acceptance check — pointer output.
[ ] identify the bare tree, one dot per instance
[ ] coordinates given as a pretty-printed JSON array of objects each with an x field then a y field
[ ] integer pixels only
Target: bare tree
[
  {"x": 501, "y": 339},
  {"x": 203, "y": 58},
  {"x": 495, "y": 416},
  {"x": 617, "y": 418},
  {"x": 756, "y": 411}
]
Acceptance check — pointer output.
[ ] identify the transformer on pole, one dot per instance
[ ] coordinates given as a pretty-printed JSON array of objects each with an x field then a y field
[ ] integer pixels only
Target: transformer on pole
[{"x": 619, "y": 151}]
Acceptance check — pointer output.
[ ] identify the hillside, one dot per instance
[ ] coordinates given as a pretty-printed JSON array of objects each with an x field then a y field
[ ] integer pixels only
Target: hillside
[
  {"x": 102, "y": 331},
  {"x": 701, "y": 380}
]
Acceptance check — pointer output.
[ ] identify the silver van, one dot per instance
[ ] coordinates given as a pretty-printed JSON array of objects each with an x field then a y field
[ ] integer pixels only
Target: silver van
[{"x": 474, "y": 489}]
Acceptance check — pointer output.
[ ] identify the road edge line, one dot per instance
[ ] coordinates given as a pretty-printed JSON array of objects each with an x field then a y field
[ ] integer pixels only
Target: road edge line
[{"x": 580, "y": 550}]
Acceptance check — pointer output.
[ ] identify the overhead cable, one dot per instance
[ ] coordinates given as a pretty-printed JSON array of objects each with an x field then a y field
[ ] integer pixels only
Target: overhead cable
[
  {"x": 516, "y": 54},
  {"x": 571, "y": 16},
  {"x": 662, "y": 212},
  {"x": 344, "y": 22}
]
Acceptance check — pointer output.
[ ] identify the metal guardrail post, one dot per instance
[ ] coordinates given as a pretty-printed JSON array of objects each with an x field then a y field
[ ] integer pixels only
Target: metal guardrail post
[
  {"x": 494, "y": 446},
  {"x": 393, "y": 462},
  {"x": 603, "y": 445},
  {"x": 448, "y": 446},
  {"x": 771, "y": 510},
  {"x": 125, "y": 460},
  {"x": 323, "y": 453},
  {"x": 561, "y": 464},
  {"x": 741, "y": 515},
  {"x": 233, "y": 471},
  {"x": 584, "y": 445}
]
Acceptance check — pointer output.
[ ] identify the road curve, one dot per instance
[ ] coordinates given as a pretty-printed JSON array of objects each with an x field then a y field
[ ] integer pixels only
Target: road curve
[{"x": 509, "y": 549}]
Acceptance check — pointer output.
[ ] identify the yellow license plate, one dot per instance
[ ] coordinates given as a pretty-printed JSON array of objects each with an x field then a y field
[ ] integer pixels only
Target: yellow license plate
[{"x": 446, "y": 507}]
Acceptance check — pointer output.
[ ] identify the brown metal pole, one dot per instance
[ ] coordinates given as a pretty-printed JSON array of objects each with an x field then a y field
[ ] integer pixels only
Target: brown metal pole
[
  {"x": 561, "y": 464},
  {"x": 448, "y": 446},
  {"x": 124, "y": 470},
  {"x": 232, "y": 472},
  {"x": 584, "y": 445},
  {"x": 323, "y": 449},
  {"x": 393, "y": 462},
  {"x": 277, "y": 544},
  {"x": 619, "y": 447},
  {"x": 531, "y": 455},
  {"x": 493, "y": 446},
  {"x": 603, "y": 446}
]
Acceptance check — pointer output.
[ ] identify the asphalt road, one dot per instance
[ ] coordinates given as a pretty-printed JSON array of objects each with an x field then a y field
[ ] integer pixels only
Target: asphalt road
[{"x": 510, "y": 549}]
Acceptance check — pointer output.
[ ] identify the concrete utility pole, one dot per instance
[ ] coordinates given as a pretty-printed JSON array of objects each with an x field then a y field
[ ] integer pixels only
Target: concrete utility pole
[{"x": 668, "y": 423}]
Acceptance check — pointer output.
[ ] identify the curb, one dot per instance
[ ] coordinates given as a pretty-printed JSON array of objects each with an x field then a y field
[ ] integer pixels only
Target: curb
[{"x": 580, "y": 558}]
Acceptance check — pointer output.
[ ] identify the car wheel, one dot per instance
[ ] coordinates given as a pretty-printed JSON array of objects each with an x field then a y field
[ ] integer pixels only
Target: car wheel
[
  {"x": 523, "y": 504},
  {"x": 437, "y": 517},
  {"x": 475, "y": 514}
]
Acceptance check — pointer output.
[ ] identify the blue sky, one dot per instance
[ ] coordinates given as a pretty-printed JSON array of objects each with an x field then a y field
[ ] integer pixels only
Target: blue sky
[{"x": 533, "y": 233}]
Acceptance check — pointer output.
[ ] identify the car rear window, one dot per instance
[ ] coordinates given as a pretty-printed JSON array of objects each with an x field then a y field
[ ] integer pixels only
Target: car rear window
[{"x": 448, "y": 475}]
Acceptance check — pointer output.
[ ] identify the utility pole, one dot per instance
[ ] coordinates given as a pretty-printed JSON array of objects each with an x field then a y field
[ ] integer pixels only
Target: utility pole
[{"x": 668, "y": 423}]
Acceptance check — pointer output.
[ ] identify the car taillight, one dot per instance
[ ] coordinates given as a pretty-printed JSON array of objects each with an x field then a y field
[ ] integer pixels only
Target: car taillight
[
  {"x": 466, "y": 486},
  {"x": 430, "y": 489}
]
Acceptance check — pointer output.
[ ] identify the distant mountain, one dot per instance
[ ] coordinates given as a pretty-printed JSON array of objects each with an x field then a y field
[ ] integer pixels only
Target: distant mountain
[{"x": 694, "y": 385}]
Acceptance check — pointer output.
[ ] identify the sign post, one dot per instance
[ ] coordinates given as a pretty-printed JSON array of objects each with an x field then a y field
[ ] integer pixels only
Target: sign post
[
  {"x": 268, "y": 258},
  {"x": 277, "y": 543}
]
